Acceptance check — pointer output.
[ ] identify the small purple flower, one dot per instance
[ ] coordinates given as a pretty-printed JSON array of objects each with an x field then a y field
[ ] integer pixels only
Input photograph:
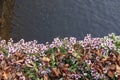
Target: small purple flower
[{"x": 1, "y": 56}]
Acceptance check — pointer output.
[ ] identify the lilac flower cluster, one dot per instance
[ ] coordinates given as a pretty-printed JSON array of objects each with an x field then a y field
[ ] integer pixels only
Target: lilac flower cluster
[
  {"x": 94, "y": 43},
  {"x": 108, "y": 43},
  {"x": 97, "y": 43}
]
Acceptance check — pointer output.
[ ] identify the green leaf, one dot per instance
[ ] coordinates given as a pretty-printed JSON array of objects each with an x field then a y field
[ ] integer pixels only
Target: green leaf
[
  {"x": 4, "y": 51},
  {"x": 63, "y": 50}
]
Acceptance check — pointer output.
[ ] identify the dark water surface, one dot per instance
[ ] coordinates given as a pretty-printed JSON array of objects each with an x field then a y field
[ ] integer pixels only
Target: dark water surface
[{"x": 45, "y": 19}]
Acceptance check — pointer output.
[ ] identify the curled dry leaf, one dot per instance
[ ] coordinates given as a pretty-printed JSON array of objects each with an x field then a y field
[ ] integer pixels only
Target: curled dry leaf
[
  {"x": 46, "y": 59},
  {"x": 29, "y": 65},
  {"x": 19, "y": 61},
  {"x": 100, "y": 70},
  {"x": 110, "y": 74},
  {"x": 56, "y": 72}
]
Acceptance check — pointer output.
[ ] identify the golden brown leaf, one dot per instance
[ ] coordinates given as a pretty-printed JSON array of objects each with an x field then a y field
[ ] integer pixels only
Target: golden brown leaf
[
  {"x": 45, "y": 59},
  {"x": 19, "y": 73},
  {"x": 6, "y": 75},
  {"x": 1, "y": 52},
  {"x": 28, "y": 65},
  {"x": 46, "y": 77},
  {"x": 56, "y": 71},
  {"x": 67, "y": 65},
  {"x": 98, "y": 52},
  {"x": 19, "y": 61},
  {"x": 110, "y": 74},
  {"x": 105, "y": 58}
]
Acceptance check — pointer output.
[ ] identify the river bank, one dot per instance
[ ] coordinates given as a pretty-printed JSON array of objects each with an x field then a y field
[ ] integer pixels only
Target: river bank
[{"x": 63, "y": 59}]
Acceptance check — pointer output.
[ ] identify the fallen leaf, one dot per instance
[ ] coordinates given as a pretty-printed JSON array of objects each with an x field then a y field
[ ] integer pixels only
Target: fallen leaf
[
  {"x": 28, "y": 65},
  {"x": 46, "y": 77},
  {"x": 67, "y": 65},
  {"x": 110, "y": 74},
  {"x": 6, "y": 75},
  {"x": 45, "y": 59},
  {"x": 19, "y": 61},
  {"x": 118, "y": 69},
  {"x": 112, "y": 67},
  {"x": 1, "y": 75},
  {"x": 19, "y": 73},
  {"x": 56, "y": 71},
  {"x": 98, "y": 52},
  {"x": 1, "y": 52},
  {"x": 105, "y": 58}
]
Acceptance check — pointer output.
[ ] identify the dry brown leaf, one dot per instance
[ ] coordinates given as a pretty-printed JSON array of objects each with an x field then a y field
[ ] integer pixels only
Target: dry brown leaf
[
  {"x": 84, "y": 57},
  {"x": 1, "y": 52},
  {"x": 110, "y": 74},
  {"x": 45, "y": 59},
  {"x": 118, "y": 60},
  {"x": 19, "y": 73},
  {"x": 6, "y": 68},
  {"x": 19, "y": 61},
  {"x": 112, "y": 67},
  {"x": 6, "y": 75},
  {"x": 100, "y": 70},
  {"x": 64, "y": 74},
  {"x": 68, "y": 79},
  {"x": 65, "y": 70},
  {"x": 98, "y": 52},
  {"x": 105, "y": 58},
  {"x": 1, "y": 75},
  {"x": 67, "y": 65},
  {"x": 74, "y": 54},
  {"x": 28, "y": 65},
  {"x": 56, "y": 71},
  {"x": 46, "y": 77},
  {"x": 118, "y": 69}
]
